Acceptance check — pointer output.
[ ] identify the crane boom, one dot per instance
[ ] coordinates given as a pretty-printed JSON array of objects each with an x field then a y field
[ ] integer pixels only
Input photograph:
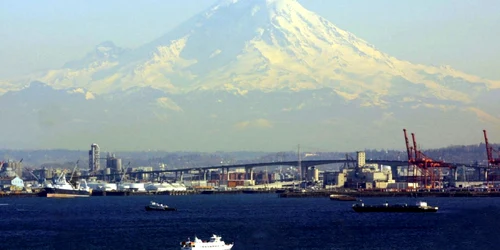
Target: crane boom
[
  {"x": 415, "y": 149},
  {"x": 408, "y": 149},
  {"x": 489, "y": 154}
]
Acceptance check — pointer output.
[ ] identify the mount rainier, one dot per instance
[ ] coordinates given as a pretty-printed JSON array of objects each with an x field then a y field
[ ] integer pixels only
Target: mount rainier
[{"x": 246, "y": 75}]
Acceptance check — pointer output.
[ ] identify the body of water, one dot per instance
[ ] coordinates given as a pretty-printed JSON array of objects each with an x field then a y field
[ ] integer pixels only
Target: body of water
[{"x": 251, "y": 221}]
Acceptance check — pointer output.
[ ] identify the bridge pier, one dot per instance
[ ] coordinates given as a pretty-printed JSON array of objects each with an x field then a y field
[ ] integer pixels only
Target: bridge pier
[
  {"x": 394, "y": 172},
  {"x": 202, "y": 173},
  {"x": 249, "y": 173},
  {"x": 225, "y": 178},
  {"x": 205, "y": 174}
]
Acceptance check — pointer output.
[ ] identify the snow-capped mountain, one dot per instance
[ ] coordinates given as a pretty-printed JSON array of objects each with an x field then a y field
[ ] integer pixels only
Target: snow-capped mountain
[{"x": 269, "y": 65}]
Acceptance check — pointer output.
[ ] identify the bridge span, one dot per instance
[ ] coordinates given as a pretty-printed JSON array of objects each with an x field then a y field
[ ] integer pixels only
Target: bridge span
[{"x": 304, "y": 165}]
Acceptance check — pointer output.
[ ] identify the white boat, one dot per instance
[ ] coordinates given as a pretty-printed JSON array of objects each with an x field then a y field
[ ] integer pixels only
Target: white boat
[{"x": 214, "y": 243}]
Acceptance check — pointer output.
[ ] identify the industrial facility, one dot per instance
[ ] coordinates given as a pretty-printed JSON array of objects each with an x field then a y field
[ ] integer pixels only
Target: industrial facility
[{"x": 417, "y": 172}]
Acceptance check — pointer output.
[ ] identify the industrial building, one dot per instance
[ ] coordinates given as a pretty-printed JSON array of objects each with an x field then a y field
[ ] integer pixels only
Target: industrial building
[
  {"x": 361, "y": 176},
  {"x": 94, "y": 158},
  {"x": 16, "y": 166},
  {"x": 9, "y": 179}
]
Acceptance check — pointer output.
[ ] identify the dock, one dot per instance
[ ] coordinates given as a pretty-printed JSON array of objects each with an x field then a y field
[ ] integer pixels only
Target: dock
[{"x": 130, "y": 193}]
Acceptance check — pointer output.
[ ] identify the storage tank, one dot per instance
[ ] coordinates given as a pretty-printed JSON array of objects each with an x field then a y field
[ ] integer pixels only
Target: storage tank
[
  {"x": 110, "y": 187},
  {"x": 108, "y": 171},
  {"x": 159, "y": 187},
  {"x": 137, "y": 187},
  {"x": 178, "y": 186},
  {"x": 15, "y": 167},
  {"x": 114, "y": 163},
  {"x": 96, "y": 185},
  {"x": 118, "y": 165},
  {"x": 123, "y": 186}
]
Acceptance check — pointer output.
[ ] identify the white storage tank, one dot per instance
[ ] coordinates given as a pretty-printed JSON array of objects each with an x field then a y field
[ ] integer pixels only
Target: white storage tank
[{"x": 137, "y": 187}]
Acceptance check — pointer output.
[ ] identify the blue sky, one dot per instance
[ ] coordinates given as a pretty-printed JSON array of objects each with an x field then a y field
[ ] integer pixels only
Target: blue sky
[{"x": 44, "y": 34}]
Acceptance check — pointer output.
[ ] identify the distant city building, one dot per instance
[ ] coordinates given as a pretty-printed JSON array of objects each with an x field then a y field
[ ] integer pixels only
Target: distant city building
[
  {"x": 360, "y": 158},
  {"x": 94, "y": 158}
]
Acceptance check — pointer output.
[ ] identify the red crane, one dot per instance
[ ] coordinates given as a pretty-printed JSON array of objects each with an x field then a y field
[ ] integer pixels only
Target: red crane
[
  {"x": 425, "y": 171},
  {"x": 411, "y": 160},
  {"x": 492, "y": 162}
]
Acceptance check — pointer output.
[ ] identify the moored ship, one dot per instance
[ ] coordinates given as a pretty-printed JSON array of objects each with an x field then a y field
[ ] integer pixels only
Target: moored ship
[
  {"x": 215, "y": 243},
  {"x": 419, "y": 207},
  {"x": 63, "y": 189}
]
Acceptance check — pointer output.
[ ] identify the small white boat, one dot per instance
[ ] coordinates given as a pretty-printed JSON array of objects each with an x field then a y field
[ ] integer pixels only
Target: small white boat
[
  {"x": 155, "y": 206},
  {"x": 215, "y": 243}
]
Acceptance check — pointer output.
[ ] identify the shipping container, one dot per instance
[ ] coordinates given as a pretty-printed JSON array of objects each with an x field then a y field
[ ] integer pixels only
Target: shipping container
[{"x": 231, "y": 184}]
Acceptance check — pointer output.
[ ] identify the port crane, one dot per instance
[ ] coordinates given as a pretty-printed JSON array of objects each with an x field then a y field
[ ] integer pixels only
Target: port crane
[
  {"x": 424, "y": 170},
  {"x": 493, "y": 163},
  {"x": 30, "y": 171}
]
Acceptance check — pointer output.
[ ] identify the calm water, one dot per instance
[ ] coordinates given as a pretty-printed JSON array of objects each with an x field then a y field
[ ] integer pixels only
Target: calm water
[{"x": 251, "y": 221}]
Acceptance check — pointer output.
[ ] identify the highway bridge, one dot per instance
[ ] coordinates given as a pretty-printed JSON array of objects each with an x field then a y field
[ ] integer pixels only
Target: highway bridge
[{"x": 304, "y": 164}]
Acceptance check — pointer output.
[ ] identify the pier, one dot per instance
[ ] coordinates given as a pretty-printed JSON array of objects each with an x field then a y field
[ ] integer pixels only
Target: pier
[{"x": 130, "y": 193}]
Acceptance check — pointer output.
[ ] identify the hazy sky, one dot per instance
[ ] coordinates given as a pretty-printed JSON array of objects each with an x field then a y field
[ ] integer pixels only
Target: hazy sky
[{"x": 44, "y": 34}]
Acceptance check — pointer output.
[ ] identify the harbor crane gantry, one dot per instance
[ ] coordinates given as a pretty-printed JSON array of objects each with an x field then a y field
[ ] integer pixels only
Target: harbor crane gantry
[
  {"x": 493, "y": 163},
  {"x": 424, "y": 170}
]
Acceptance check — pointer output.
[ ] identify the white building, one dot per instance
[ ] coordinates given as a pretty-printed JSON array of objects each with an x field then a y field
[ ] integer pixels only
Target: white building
[{"x": 11, "y": 183}]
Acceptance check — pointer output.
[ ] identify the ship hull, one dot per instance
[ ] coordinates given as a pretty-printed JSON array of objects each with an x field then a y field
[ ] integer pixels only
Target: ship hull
[
  {"x": 63, "y": 193},
  {"x": 148, "y": 208},
  {"x": 366, "y": 209},
  {"x": 342, "y": 198},
  {"x": 225, "y": 247}
]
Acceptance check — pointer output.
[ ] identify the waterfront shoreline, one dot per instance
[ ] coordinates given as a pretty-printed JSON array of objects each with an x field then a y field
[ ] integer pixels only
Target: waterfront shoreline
[{"x": 317, "y": 194}]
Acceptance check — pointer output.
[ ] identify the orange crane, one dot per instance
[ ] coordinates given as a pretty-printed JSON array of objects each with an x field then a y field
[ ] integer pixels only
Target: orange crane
[
  {"x": 492, "y": 162},
  {"x": 425, "y": 171}
]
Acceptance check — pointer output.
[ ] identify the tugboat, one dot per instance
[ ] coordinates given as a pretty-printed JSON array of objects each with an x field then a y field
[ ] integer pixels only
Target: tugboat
[
  {"x": 419, "y": 207},
  {"x": 154, "y": 206},
  {"x": 215, "y": 243},
  {"x": 342, "y": 197}
]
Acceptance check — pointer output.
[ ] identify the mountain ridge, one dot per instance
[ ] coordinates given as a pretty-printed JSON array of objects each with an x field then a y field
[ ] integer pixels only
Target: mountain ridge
[
  {"x": 247, "y": 71},
  {"x": 172, "y": 66}
]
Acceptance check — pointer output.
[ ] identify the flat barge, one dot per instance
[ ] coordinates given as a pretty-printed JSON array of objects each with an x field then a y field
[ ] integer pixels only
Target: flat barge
[
  {"x": 388, "y": 194},
  {"x": 420, "y": 207}
]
